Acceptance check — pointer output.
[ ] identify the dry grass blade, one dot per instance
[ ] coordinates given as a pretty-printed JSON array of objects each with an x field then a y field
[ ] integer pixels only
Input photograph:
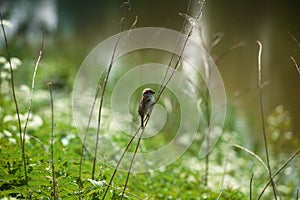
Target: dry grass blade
[
  {"x": 176, "y": 47},
  {"x": 296, "y": 65},
  {"x": 223, "y": 178},
  {"x": 278, "y": 171},
  {"x": 55, "y": 194},
  {"x": 127, "y": 5},
  {"x": 131, "y": 163},
  {"x": 121, "y": 158},
  {"x": 98, "y": 89},
  {"x": 294, "y": 39},
  {"x": 250, "y": 186},
  {"x": 32, "y": 89},
  {"x": 253, "y": 154},
  {"x": 119, "y": 162},
  {"x": 166, "y": 81},
  {"x": 163, "y": 87},
  {"x": 298, "y": 44},
  {"x": 16, "y": 105},
  {"x": 260, "y": 86}
]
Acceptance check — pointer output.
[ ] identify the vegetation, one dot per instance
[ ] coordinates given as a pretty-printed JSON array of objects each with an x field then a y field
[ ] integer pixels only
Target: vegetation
[{"x": 41, "y": 153}]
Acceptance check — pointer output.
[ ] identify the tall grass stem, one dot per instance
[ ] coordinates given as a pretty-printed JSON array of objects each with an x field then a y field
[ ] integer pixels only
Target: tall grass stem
[
  {"x": 176, "y": 47},
  {"x": 278, "y": 171},
  {"x": 32, "y": 88},
  {"x": 250, "y": 186},
  {"x": 181, "y": 53},
  {"x": 131, "y": 163},
  {"x": 55, "y": 194},
  {"x": 260, "y": 87},
  {"x": 119, "y": 162},
  {"x": 16, "y": 107},
  {"x": 296, "y": 65},
  {"x": 127, "y": 4},
  {"x": 79, "y": 181}
]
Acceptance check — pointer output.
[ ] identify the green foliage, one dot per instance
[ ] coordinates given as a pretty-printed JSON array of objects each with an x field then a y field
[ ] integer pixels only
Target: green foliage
[{"x": 229, "y": 171}]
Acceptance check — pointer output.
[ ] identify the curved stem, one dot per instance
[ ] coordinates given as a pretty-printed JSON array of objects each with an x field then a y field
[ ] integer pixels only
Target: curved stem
[{"x": 16, "y": 107}]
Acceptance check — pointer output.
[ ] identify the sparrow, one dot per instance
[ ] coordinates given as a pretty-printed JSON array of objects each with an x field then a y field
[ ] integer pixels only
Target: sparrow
[{"x": 146, "y": 104}]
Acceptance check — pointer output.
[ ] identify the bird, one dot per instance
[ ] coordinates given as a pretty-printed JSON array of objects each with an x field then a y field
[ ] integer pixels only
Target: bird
[{"x": 146, "y": 104}]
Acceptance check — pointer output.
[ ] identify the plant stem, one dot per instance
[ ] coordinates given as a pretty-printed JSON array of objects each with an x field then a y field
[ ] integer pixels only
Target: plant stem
[
  {"x": 278, "y": 171},
  {"x": 207, "y": 114},
  {"x": 296, "y": 65},
  {"x": 119, "y": 162},
  {"x": 260, "y": 86},
  {"x": 104, "y": 87},
  {"x": 181, "y": 53},
  {"x": 55, "y": 195},
  {"x": 16, "y": 107},
  {"x": 250, "y": 185},
  {"x": 85, "y": 137},
  {"x": 131, "y": 163},
  {"x": 294, "y": 39},
  {"x": 32, "y": 89},
  {"x": 177, "y": 45}
]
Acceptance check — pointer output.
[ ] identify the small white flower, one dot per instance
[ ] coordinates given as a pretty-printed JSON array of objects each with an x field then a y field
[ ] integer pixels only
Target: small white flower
[
  {"x": 2, "y": 60},
  {"x": 15, "y": 63},
  {"x": 12, "y": 140}
]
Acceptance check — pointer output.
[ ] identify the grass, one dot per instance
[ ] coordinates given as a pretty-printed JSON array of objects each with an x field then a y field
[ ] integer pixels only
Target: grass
[{"x": 184, "y": 177}]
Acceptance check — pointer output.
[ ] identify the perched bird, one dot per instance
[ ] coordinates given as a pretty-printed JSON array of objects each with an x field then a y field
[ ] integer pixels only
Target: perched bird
[{"x": 146, "y": 102}]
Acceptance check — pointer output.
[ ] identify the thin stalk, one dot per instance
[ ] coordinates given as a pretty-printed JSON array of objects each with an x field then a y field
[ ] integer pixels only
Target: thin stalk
[
  {"x": 250, "y": 185},
  {"x": 278, "y": 171},
  {"x": 85, "y": 137},
  {"x": 119, "y": 162},
  {"x": 223, "y": 178},
  {"x": 177, "y": 45},
  {"x": 122, "y": 156},
  {"x": 298, "y": 45},
  {"x": 253, "y": 154},
  {"x": 55, "y": 195},
  {"x": 207, "y": 114},
  {"x": 131, "y": 163},
  {"x": 207, "y": 105},
  {"x": 296, "y": 65},
  {"x": 16, "y": 107},
  {"x": 181, "y": 53},
  {"x": 32, "y": 89},
  {"x": 260, "y": 86},
  {"x": 294, "y": 39},
  {"x": 297, "y": 194},
  {"x": 104, "y": 86},
  {"x": 1, "y": 102}
]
